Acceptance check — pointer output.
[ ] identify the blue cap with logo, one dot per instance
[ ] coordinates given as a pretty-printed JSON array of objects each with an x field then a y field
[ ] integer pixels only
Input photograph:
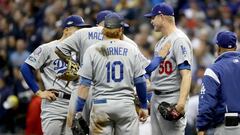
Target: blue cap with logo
[
  {"x": 74, "y": 20},
  {"x": 226, "y": 39},
  {"x": 101, "y": 15},
  {"x": 161, "y": 8},
  {"x": 114, "y": 20}
]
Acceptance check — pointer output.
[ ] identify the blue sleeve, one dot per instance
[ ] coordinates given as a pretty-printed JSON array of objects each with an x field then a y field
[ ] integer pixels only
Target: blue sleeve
[
  {"x": 207, "y": 102},
  {"x": 85, "y": 81},
  {"x": 153, "y": 65},
  {"x": 141, "y": 89},
  {"x": 149, "y": 96},
  {"x": 184, "y": 65},
  {"x": 28, "y": 75},
  {"x": 80, "y": 104}
]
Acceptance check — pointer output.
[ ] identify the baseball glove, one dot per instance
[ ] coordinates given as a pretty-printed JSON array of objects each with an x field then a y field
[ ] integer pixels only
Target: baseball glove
[
  {"x": 79, "y": 126},
  {"x": 169, "y": 112},
  {"x": 72, "y": 68}
]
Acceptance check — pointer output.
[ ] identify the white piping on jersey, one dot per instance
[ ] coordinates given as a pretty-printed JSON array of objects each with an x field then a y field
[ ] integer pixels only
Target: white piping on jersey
[{"x": 209, "y": 72}]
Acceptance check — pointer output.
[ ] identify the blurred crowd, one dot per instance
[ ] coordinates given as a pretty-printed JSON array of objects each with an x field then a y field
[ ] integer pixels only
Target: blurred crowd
[{"x": 26, "y": 24}]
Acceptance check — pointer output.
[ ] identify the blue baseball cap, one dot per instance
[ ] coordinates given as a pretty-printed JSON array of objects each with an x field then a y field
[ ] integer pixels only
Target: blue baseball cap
[
  {"x": 226, "y": 39},
  {"x": 75, "y": 20},
  {"x": 101, "y": 15},
  {"x": 114, "y": 20},
  {"x": 161, "y": 8}
]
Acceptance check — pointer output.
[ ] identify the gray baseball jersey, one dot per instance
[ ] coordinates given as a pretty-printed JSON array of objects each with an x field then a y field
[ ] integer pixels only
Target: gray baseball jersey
[
  {"x": 84, "y": 38},
  {"x": 54, "y": 113},
  {"x": 167, "y": 77},
  {"x": 50, "y": 65},
  {"x": 112, "y": 76},
  {"x": 113, "y": 81}
]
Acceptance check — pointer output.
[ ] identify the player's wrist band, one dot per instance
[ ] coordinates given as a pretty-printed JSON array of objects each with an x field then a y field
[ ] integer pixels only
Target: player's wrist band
[
  {"x": 80, "y": 104},
  {"x": 144, "y": 105},
  {"x": 38, "y": 92}
]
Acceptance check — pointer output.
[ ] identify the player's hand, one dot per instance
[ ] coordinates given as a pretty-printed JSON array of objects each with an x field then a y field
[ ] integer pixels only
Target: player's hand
[
  {"x": 47, "y": 94},
  {"x": 180, "y": 108},
  {"x": 201, "y": 133},
  {"x": 143, "y": 114},
  {"x": 165, "y": 50}
]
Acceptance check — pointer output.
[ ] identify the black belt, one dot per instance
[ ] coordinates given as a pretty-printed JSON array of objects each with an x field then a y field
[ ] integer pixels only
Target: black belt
[
  {"x": 63, "y": 95},
  {"x": 157, "y": 92}
]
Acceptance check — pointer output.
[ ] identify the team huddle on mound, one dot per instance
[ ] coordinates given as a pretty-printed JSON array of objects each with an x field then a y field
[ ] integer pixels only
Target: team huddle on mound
[{"x": 93, "y": 77}]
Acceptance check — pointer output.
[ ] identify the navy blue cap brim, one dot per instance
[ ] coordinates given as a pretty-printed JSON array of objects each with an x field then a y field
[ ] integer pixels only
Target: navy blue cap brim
[
  {"x": 84, "y": 25},
  {"x": 149, "y": 15}
]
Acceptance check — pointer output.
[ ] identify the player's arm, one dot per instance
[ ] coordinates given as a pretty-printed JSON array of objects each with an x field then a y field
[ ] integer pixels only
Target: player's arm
[
  {"x": 85, "y": 80},
  {"x": 157, "y": 59},
  {"x": 28, "y": 75},
  {"x": 183, "y": 55},
  {"x": 141, "y": 89},
  {"x": 33, "y": 63},
  {"x": 83, "y": 91},
  {"x": 207, "y": 100},
  {"x": 185, "y": 72}
]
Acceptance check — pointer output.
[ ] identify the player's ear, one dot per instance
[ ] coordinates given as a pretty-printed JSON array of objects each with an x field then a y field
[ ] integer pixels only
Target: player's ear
[
  {"x": 121, "y": 33},
  {"x": 121, "y": 30},
  {"x": 65, "y": 30}
]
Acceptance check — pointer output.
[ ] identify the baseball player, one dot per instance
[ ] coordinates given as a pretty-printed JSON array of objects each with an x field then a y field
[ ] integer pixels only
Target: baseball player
[
  {"x": 55, "y": 97},
  {"x": 112, "y": 66},
  {"x": 79, "y": 42},
  {"x": 171, "y": 81}
]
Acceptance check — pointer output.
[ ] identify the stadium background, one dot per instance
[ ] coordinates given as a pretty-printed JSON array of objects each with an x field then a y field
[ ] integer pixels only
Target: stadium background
[{"x": 26, "y": 24}]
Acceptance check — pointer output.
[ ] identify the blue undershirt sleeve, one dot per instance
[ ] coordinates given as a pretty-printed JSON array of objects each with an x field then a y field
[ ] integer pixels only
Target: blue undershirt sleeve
[
  {"x": 28, "y": 75},
  {"x": 153, "y": 65},
  {"x": 85, "y": 81},
  {"x": 184, "y": 65},
  {"x": 141, "y": 89},
  {"x": 80, "y": 104}
]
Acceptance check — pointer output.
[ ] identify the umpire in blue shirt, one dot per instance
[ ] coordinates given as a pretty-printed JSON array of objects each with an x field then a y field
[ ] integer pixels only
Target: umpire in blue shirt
[{"x": 219, "y": 100}]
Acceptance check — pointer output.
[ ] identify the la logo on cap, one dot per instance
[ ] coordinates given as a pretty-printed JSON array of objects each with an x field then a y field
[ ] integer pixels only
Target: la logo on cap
[
  {"x": 235, "y": 60},
  {"x": 71, "y": 22}
]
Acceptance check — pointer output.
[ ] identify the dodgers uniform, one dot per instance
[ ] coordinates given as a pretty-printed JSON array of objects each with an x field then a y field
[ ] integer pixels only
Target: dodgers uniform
[
  {"x": 54, "y": 113},
  {"x": 113, "y": 87},
  {"x": 166, "y": 81}
]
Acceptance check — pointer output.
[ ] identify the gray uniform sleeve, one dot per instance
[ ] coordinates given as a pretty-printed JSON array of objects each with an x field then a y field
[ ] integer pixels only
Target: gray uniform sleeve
[
  {"x": 87, "y": 67},
  {"x": 138, "y": 69},
  {"x": 72, "y": 43},
  {"x": 38, "y": 57},
  {"x": 182, "y": 51},
  {"x": 144, "y": 61}
]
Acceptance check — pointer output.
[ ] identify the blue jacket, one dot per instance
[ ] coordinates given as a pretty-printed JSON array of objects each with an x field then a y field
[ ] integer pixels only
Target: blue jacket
[{"x": 220, "y": 91}]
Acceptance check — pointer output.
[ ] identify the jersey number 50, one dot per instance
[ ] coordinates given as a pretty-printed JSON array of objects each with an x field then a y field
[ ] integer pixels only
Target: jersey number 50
[
  {"x": 165, "y": 67},
  {"x": 111, "y": 71}
]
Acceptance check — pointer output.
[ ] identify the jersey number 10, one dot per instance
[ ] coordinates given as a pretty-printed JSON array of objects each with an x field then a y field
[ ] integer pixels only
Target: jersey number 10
[{"x": 111, "y": 71}]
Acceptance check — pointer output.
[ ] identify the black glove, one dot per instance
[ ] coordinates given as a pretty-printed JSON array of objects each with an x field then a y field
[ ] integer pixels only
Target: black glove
[
  {"x": 169, "y": 111},
  {"x": 79, "y": 126}
]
